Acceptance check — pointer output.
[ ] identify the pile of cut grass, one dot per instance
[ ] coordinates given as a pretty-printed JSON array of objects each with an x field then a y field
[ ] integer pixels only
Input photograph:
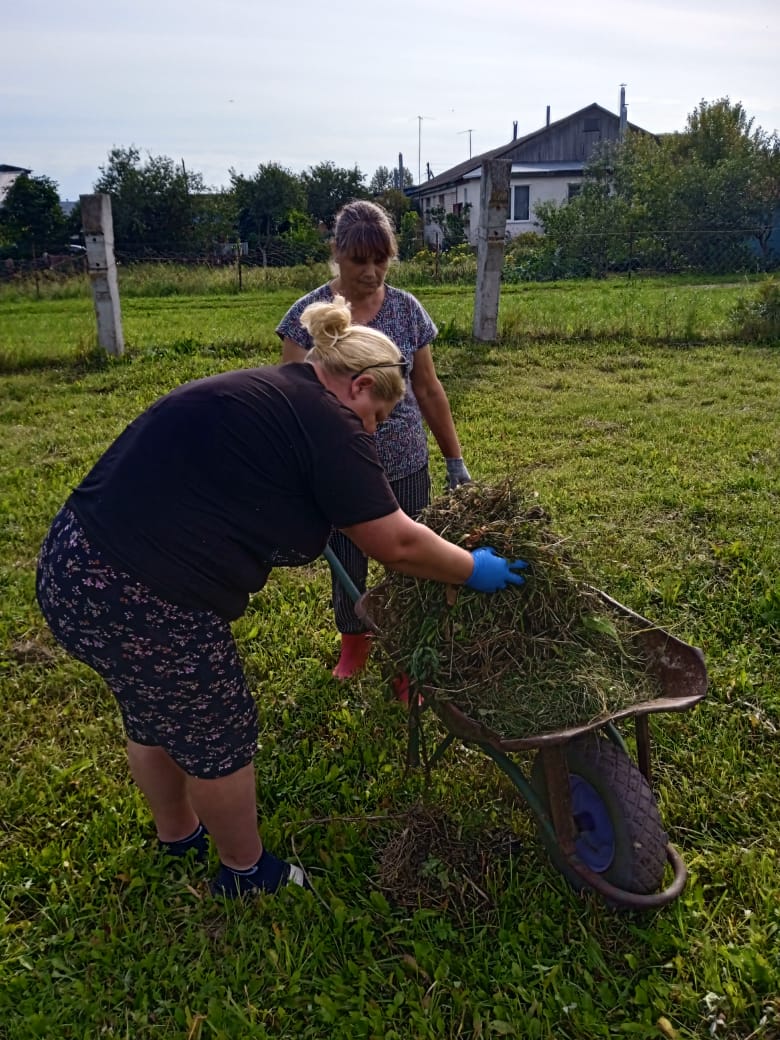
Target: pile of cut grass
[{"x": 532, "y": 659}]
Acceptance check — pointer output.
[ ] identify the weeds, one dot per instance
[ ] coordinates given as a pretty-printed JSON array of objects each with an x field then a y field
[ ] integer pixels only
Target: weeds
[{"x": 756, "y": 318}]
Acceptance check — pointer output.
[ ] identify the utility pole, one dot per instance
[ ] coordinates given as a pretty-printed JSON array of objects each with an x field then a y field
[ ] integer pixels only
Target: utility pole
[
  {"x": 469, "y": 132},
  {"x": 493, "y": 213},
  {"x": 98, "y": 227},
  {"x": 419, "y": 146}
]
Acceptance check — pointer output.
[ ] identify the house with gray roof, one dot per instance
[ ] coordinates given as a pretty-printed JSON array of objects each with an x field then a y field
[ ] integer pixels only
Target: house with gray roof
[{"x": 547, "y": 164}]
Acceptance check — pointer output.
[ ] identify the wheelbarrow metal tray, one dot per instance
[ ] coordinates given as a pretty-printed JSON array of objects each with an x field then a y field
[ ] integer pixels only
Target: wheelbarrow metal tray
[{"x": 678, "y": 667}]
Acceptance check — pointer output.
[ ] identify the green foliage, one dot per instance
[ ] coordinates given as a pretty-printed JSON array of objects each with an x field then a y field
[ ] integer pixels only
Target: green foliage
[
  {"x": 756, "y": 317},
  {"x": 328, "y": 188},
  {"x": 396, "y": 203},
  {"x": 31, "y": 218},
  {"x": 264, "y": 202},
  {"x": 385, "y": 179},
  {"x": 687, "y": 201},
  {"x": 153, "y": 202},
  {"x": 452, "y": 226},
  {"x": 456, "y": 267},
  {"x": 410, "y": 235},
  {"x": 304, "y": 243},
  {"x": 529, "y": 257}
]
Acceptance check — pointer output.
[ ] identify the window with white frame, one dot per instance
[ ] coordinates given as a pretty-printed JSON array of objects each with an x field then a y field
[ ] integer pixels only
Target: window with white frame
[{"x": 521, "y": 199}]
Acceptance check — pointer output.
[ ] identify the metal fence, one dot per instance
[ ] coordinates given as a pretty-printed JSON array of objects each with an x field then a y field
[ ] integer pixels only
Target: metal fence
[
  {"x": 530, "y": 257},
  {"x": 708, "y": 250}
]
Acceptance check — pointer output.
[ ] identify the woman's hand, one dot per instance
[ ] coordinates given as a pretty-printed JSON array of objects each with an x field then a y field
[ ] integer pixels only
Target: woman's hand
[
  {"x": 456, "y": 473},
  {"x": 492, "y": 572}
]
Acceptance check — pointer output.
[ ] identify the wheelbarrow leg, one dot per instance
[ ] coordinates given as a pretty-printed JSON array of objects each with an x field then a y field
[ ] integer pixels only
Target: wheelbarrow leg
[
  {"x": 642, "y": 725},
  {"x": 556, "y": 776}
]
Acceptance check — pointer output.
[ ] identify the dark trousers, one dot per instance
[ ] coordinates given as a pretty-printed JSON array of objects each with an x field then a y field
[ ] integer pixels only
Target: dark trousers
[{"x": 413, "y": 494}]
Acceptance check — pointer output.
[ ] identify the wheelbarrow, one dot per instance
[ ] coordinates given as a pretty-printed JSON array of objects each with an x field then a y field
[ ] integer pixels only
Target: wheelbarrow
[{"x": 595, "y": 810}]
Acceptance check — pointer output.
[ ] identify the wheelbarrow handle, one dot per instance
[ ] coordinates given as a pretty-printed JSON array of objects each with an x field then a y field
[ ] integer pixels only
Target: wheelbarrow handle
[{"x": 339, "y": 570}]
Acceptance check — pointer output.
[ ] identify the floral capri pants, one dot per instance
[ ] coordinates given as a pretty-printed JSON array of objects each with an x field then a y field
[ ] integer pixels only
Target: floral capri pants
[{"x": 174, "y": 671}]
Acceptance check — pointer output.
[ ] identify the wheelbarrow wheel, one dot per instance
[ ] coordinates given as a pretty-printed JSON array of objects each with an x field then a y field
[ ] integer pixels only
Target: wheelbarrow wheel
[{"x": 619, "y": 834}]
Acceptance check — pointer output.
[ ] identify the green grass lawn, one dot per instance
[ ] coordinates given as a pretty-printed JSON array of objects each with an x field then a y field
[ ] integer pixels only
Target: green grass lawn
[{"x": 654, "y": 441}]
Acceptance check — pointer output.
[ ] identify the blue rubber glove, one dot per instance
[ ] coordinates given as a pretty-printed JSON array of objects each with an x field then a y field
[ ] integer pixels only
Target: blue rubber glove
[
  {"x": 492, "y": 572},
  {"x": 456, "y": 473}
]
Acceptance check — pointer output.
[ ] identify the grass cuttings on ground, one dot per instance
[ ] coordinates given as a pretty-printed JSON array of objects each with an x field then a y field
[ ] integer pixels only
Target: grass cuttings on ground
[
  {"x": 532, "y": 659},
  {"x": 432, "y": 862}
]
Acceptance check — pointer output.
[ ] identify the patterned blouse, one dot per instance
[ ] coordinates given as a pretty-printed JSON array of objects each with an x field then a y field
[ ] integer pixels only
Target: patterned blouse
[{"x": 401, "y": 441}]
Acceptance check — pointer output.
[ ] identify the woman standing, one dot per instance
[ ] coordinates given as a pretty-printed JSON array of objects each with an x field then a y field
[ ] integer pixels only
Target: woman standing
[
  {"x": 181, "y": 520},
  {"x": 363, "y": 247}
]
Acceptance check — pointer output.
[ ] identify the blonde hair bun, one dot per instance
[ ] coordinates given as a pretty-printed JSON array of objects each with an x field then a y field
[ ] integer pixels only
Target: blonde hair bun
[
  {"x": 342, "y": 348},
  {"x": 327, "y": 322}
]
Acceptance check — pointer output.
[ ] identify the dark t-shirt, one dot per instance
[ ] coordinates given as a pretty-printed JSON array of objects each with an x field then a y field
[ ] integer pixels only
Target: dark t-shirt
[{"x": 226, "y": 477}]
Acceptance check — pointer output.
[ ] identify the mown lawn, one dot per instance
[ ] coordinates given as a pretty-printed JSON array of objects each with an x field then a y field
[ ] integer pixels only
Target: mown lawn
[{"x": 654, "y": 441}]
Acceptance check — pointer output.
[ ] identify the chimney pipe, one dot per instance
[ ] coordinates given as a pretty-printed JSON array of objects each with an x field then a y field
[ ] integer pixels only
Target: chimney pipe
[
  {"x": 623, "y": 110},
  {"x": 548, "y": 116},
  {"x": 514, "y": 130}
]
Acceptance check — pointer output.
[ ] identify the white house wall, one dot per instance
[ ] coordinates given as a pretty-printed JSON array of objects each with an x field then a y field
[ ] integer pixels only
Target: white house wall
[
  {"x": 546, "y": 189},
  {"x": 543, "y": 189}
]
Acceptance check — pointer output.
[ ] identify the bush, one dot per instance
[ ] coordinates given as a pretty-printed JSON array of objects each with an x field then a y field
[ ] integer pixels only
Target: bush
[{"x": 756, "y": 318}]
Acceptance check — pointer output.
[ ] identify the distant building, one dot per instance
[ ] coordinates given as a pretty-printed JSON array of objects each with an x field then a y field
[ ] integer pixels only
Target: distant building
[
  {"x": 8, "y": 175},
  {"x": 547, "y": 164}
]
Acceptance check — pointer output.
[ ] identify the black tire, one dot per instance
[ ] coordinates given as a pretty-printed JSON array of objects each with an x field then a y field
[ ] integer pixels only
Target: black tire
[{"x": 620, "y": 835}]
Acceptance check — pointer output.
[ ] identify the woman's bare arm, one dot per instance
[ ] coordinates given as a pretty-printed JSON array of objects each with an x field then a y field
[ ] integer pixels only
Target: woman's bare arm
[
  {"x": 434, "y": 403},
  {"x": 292, "y": 351},
  {"x": 404, "y": 545}
]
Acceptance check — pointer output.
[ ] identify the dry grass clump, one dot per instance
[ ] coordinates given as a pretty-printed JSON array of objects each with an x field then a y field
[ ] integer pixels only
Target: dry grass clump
[
  {"x": 432, "y": 862},
  {"x": 532, "y": 659}
]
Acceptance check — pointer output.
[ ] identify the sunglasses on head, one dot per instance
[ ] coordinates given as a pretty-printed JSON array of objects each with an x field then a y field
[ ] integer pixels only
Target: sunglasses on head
[{"x": 403, "y": 365}]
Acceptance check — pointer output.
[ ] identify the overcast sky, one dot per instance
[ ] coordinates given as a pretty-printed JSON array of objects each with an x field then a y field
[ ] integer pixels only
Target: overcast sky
[{"x": 235, "y": 83}]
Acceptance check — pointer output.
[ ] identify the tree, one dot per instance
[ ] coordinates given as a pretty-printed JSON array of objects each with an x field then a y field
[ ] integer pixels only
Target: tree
[
  {"x": 385, "y": 180},
  {"x": 382, "y": 180},
  {"x": 153, "y": 203},
  {"x": 396, "y": 203},
  {"x": 451, "y": 225},
  {"x": 31, "y": 216},
  {"x": 328, "y": 188},
  {"x": 410, "y": 239},
  {"x": 743, "y": 160},
  {"x": 686, "y": 200},
  {"x": 302, "y": 241},
  {"x": 214, "y": 219},
  {"x": 265, "y": 201}
]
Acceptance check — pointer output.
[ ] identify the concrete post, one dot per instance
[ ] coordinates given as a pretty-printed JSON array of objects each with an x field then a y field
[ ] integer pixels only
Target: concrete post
[
  {"x": 491, "y": 234},
  {"x": 98, "y": 226}
]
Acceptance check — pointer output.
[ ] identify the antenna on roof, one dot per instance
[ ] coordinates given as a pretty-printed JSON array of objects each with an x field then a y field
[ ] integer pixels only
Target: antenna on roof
[
  {"x": 469, "y": 132},
  {"x": 419, "y": 145}
]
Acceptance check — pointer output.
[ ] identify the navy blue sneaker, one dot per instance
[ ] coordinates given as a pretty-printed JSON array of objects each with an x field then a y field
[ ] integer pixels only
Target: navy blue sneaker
[
  {"x": 195, "y": 844},
  {"x": 268, "y": 875}
]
